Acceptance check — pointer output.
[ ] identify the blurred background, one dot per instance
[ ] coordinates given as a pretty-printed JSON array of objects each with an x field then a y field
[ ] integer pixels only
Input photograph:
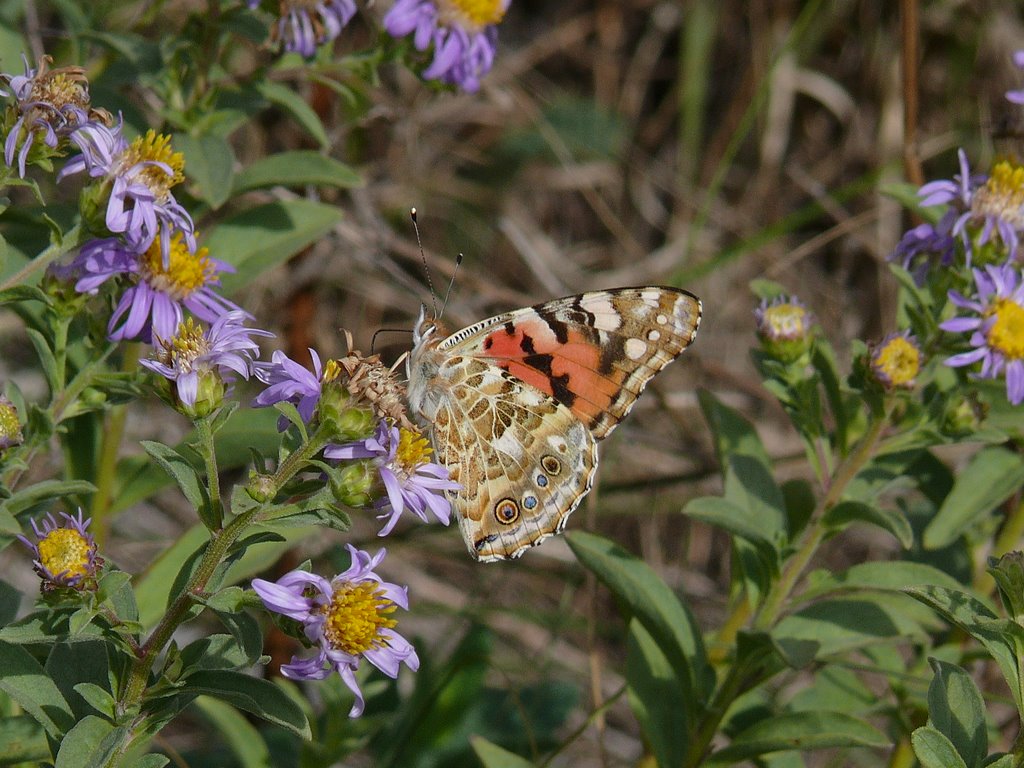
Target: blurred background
[{"x": 699, "y": 144}]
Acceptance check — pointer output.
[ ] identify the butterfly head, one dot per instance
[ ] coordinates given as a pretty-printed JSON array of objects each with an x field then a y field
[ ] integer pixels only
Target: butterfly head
[{"x": 424, "y": 330}]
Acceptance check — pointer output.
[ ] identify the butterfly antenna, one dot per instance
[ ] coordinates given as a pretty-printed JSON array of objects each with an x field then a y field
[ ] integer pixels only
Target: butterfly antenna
[
  {"x": 423, "y": 257},
  {"x": 458, "y": 263}
]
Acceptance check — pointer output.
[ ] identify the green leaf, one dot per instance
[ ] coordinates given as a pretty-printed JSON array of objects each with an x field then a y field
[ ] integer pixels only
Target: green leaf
[
  {"x": 730, "y": 517},
  {"x": 242, "y": 738},
  {"x": 151, "y": 760},
  {"x": 250, "y": 694},
  {"x": 257, "y": 239},
  {"x": 894, "y": 576},
  {"x": 286, "y": 98},
  {"x": 799, "y": 731},
  {"x": 47, "y": 490},
  {"x": 213, "y": 652},
  {"x": 209, "y": 162},
  {"x": 98, "y": 698},
  {"x": 22, "y": 293},
  {"x": 934, "y": 750},
  {"x": 27, "y": 683},
  {"x": 956, "y": 710},
  {"x": 656, "y": 607},
  {"x": 46, "y": 359},
  {"x": 893, "y": 521},
  {"x": 22, "y": 740},
  {"x": 90, "y": 743},
  {"x": 656, "y": 697},
  {"x": 186, "y": 476},
  {"x": 992, "y": 476},
  {"x": 493, "y": 756},
  {"x": 297, "y": 168}
]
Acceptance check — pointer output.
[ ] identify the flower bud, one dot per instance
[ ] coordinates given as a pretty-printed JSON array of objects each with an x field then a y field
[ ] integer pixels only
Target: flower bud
[
  {"x": 785, "y": 327},
  {"x": 10, "y": 426},
  {"x": 896, "y": 361}
]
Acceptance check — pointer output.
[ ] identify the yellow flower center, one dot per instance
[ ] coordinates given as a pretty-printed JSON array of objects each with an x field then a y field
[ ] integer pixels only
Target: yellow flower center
[
  {"x": 1003, "y": 194},
  {"x": 471, "y": 15},
  {"x": 331, "y": 371},
  {"x": 898, "y": 362},
  {"x": 785, "y": 321},
  {"x": 185, "y": 347},
  {"x": 356, "y": 617},
  {"x": 1007, "y": 333},
  {"x": 413, "y": 449},
  {"x": 155, "y": 147},
  {"x": 185, "y": 272},
  {"x": 65, "y": 551},
  {"x": 61, "y": 87},
  {"x": 10, "y": 427}
]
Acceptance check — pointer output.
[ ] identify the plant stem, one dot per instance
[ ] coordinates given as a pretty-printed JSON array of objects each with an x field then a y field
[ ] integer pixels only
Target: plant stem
[
  {"x": 209, "y": 454},
  {"x": 110, "y": 447}
]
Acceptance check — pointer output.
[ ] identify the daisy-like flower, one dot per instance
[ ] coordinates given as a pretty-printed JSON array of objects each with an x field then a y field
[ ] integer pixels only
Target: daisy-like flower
[
  {"x": 348, "y": 618},
  {"x": 896, "y": 360},
  {"x": 463, "y": 32},
  {"x": 410, "y": 480},
  {"x": 996, "y": 327},
  {"x": 49, "y": 104},
  {"x": 926, "y": 245},
  {"x": 1017, "y": 96},
  {"x": 785, "y": 326},
  {"x": 136, "y": 182},
  {"x": 64, "y": 554},
  {"x": 289, "y": 381},
  {"x": 202, "y": 364},
  {"x": 10, "y": 425},
  {"x": 166, "y": 284},
  {"x": 305, "y": 24},
  {"x": 986, "y": 205}
]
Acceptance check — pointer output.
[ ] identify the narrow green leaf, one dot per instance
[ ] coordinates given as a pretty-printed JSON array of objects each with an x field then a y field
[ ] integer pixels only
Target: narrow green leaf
[
  {"x": 260, "y": 238},
  {"x": 656, "y": 697},
  {"x": 47, "y": 490},
  {"x": 730, "y": 517},
  {"x": 297, "y": 168},
  {"x": 493, "y": 756},
  {"x": 209, "y": 163},
  {"x": 97, "y": 697},
  {"x": 992, "y": 476},
  {"x": 178, "y": 467},
  {"x": 956, "y": 710},
  {"x": 799, "y": 731},
  {"x": 290, "y": 101},
  {"x": 656, "y": 606},
  {"x": 27, "y": 683},
  {"x": 20, "y": 293},
  {"x": 250, "y": 694},
  {"x": 1000, "y": 761},
  {"x": 151, "y": 760},
  {"x": 22, "y": 740},
  {"x": 894, "y": 576},
  {"x": 242, "y": 738},
  {"x": 934, "y": 750},
  {"x": 46, "y": 359},
  {"x": 891, "y": 520}
]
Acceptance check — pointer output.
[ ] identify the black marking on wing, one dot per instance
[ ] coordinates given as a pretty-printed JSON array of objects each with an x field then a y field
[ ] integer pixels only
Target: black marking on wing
[{"x": 527, "y": 345}]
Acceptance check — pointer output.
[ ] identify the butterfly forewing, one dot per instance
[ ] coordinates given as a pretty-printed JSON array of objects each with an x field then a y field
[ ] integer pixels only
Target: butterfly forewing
[{"x": 594, "y": 352}]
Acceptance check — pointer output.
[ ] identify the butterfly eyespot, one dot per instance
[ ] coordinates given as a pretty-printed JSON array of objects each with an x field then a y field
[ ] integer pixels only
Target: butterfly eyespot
[
  {"x": 551, "y": 465},
  {"x": 529, "y": 502},
  {"x": 542, "y": 480},
  {"x": 506, "y": 511}
]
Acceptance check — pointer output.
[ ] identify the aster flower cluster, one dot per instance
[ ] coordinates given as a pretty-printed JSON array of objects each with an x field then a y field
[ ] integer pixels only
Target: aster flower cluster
[{"x": 462, "y": 35}]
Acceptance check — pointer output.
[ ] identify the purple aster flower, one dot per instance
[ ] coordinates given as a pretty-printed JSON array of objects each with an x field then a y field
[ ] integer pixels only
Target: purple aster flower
[
  {"x": 1017, "y": 97},
  {"x": 165, "y": 285},
  {"x": 993, "y": 203},
  {"x": 290, "y": 381},
  {"x": 49, "y": 105},
  {"x": 925, "y": 245},
  {"x": 463, "y": 32},
  {"x": 141, "y": 174},
  {"x": 997, "y": 327},
  {"x": 201, "y": 362},
  {"x": 410, "y": 481},
  {"x": 305, "y": 24},
  {"x": 64, "y": 555},
  {"x": 348, "y": 617},
  {"x": 896, "y": 360},
  {"x": 10, "y": 425}
]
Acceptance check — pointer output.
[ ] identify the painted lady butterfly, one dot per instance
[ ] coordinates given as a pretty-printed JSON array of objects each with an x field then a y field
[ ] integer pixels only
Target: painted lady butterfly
[{"x": 515, "y": 404}]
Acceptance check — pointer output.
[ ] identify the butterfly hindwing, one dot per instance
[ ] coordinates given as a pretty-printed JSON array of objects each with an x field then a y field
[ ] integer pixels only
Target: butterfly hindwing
[{"x": 594, "y": 352}]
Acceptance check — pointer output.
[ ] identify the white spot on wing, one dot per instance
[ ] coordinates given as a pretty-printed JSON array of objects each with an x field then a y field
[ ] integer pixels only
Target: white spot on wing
[
  {"x": 635, "y": 348},
  {"x": 606, "y": 317}
]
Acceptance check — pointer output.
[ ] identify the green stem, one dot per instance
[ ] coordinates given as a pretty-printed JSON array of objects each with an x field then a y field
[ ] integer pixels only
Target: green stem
[
  {"x": 60, "y": 348},
  {"x": 209, "y": 454},
  {"x": 70, "y": 241},
  {"x": 220, "y": 544},
  {"x": 708, "y": 726},
  {"x": 110, "y": 448},
  {"x": 814, "y": 533}
]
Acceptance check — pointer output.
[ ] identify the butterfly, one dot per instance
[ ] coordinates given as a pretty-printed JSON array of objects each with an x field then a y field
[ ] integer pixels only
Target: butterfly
[{"x": 514, "y": 405}]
